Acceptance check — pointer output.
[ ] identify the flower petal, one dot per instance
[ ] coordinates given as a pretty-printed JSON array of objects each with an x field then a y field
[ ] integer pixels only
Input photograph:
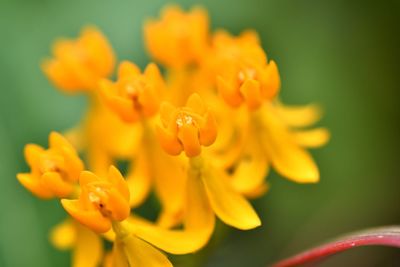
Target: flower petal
[
  {"x": 90, "y": 218},
  {"x": 32, "y": 155},
  {"x": 88, "y": 249},
  {"x": 54, "y": 182},
  {"x": 288, "y": 158},
  {"x": 141, "y": 254},
  {"x": 312, "y": 138},
  {"x": 63, "y": 235},
  {"x": 229, "y": 205},
  {"x": 139, "y": 180},
  {"x": 299, "y": 116},
  {"x": 34, "y": 185}
]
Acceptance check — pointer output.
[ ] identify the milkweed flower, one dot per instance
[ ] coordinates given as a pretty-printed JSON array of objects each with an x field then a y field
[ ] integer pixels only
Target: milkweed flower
[
  {"x": 102, "y": 200},
  {"x": 187, "y": 130},
  {"x": 178, "y": 39},
  {"x": 243, "y": 73},
  {"x": 54, "y": 171},
  {"x": 134, "y": 94},
  {"x": 78, "y": 64}
]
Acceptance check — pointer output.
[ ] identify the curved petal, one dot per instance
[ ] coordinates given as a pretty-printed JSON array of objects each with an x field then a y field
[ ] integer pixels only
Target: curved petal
[
  {"x": 116, "y": 178},
  {"x": 63, "y": 235},
  {"x": 32, "y": 155},
  {"x": 139, "y": 181},
  {"x": 88, "y": 249},
  {"x": 229, "y": 205},
  {"x": 312, "y": 138},
  {"x": 287, "y": 157},
  {"x": 299, "y": 116},
  {"x": 91, "y": 218},
  {"x": 251, "y": 170},
  {"x": 34, "y": 185},
  {"x": 141, "y": 254},
  {"x": 55, "y": 183}
]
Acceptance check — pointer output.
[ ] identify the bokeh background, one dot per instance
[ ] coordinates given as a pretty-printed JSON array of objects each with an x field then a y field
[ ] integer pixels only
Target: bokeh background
[{"x": 341, "y": 54}]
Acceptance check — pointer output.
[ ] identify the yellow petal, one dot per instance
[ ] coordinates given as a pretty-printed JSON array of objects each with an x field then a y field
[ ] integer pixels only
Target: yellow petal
[
  {"x": 32, "y": 155},
  {"x": 230, "y": 206},
  {"x": 258, "y": 192},
  {"x": 312, "y": 138},
  {"x": 141, "y": 254},
  {"x": 34, "y": 185},
  {"x": 252, "y": 94},
  {"x": 139, "y": 180},
  {"x": 90, "y": 218},
  {"x": 299, "y": 116},
  {"x": 63, "y": 235},
  {"x": 88, "y": 249},
  {"x": 56, "y": 140},
  {"x": 288, "y": 158},
  {"x": 54, "y": 182},
  {"x": 119, "y": 259},
  {"x": 251, "y": 170},
  {"x": 116, "y": 178},
  {"x": 126, "y": 69}
]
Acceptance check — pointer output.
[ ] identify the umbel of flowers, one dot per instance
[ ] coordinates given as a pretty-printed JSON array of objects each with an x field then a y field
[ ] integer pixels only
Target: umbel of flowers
[{"x": 202, "y": 134}]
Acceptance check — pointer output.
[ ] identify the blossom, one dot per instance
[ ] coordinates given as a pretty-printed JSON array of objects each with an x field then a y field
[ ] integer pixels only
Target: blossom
[
  {"x": 134, "y": 94},
  {"x": 54, "y": 171},
  {"x": 79, "y": 64},
  {"x": 178, "y": 39},
  {"x": 86, "y": 246},
  {"x": 242, "y": 71},
  {"x": 186, "y": 129},
  {"x": 102, "y": 200}
]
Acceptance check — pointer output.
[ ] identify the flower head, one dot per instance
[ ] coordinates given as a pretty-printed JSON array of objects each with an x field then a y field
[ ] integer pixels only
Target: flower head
[
  {"x": 79, "y": 64},
  {"x": 134, "y": 95},
  {"x": 53, "y": 171},
  {"x": 178, "y": 38},
  {"x": 186, "y": 128},
  {"x": 243, "y": 72},
  {"x": 102, "y": 200}
]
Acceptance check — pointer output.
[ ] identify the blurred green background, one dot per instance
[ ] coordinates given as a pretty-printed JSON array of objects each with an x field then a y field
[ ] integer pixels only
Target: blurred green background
[{"x": 341, "y": 54}]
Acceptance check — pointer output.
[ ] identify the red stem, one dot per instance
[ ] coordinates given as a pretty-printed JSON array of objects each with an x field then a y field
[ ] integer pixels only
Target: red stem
[{"x": 383, "y": 236}]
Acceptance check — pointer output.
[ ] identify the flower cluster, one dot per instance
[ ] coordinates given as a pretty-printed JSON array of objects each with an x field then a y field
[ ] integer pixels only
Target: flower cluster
[{"x": 202, "y": 133}]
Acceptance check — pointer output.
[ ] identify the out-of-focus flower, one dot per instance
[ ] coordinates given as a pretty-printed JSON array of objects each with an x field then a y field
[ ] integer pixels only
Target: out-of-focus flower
[
  {"x": 78, "y": 64},
  {"x": 102, "y": 200},
  {"x": 54, "y": 171},
  {"x": 276, "y": 140},
  {"x": 243, "y": 73},
  {"x": 187, "y": 128},
  {"x": 178, "y": 39},
  {"x": 86, "y": 246},
  {"x": 134, "y": 95}
]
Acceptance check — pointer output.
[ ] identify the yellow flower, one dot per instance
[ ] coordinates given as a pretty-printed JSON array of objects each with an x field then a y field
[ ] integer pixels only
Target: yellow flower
[
  {"x": 243, "y": 73},
  {"x": 53, "y": 171},
  {"x": 178, "y": 39},
  {"x": 275, "y": 139},
  {"x": 102, "y": 200},
  {"x": 86, "y": 246},
  {"x": 79, "y": 64},
  {"x": 134, "y": 94},
  {"x": 187, "y": 128}
]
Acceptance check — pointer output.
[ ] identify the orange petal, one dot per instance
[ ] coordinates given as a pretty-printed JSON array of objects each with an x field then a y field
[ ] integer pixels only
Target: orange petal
[
  {"x": 118, "y": 205},
  {"x": 54, "y": 182},
  {"x": 250, "y": 89},
  {"x": 189, "y": 136},
  {"x": 116, "y": 178},
  {"x": 32, "y": 155},
  {"x": 229, "y": 93},
  {"x": 208, "y": 131},
  {"x": 168, "y": 141},
  {"x": 34, "y": 185},
  {"x": 90, "y": 218}
]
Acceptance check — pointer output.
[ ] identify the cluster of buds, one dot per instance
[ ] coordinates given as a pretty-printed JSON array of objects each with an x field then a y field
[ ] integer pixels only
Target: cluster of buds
[{"x": 231, "y": 115}]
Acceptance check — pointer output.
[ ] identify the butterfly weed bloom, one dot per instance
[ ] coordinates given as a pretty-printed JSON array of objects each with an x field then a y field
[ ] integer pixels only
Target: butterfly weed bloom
[
  {"x": 203, "y": 161},
  {"x": 187, "y": 129},
  {"x": 78, "y": 64},
  {"x": 54, "y": 171}
]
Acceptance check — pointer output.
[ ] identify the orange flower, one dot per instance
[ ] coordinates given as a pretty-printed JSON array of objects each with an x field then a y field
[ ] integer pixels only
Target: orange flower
[
  {"x": 178, "y": 38},
  {"x": 134, "y": 94},
  {"x": 53, "y": 171},
  {"x": 243, "y": 73},
  {"x": 186, "y": 128},
  {"x": 79, "y": 64},
  {"x": 101, "y": 202}
]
